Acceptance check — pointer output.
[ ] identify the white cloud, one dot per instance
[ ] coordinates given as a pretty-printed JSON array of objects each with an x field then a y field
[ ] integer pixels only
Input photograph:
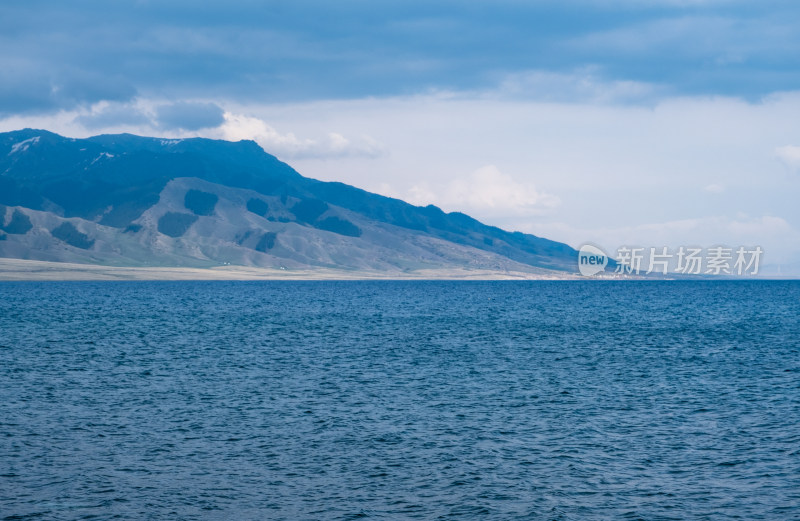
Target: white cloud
[
  {"x": 420, "y": 195},
  {"x": 789, "y": 155},
  {"x": 141, "y": 116},
  {"x": 767, "y": 227},
  {"x": 486, "y": 191},
  {"x": 616, "y": 168},
  {"x": 489, "y": 188},
  {"x": 581, "y": 86},
  {"x": 105, "y": 115},
  {"x": 289, "y": 146},
  {"x": 779, "y": 240}
]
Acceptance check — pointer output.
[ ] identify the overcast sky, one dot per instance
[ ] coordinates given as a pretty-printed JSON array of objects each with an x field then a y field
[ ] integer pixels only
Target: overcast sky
[{"x": 625, "y": 122}]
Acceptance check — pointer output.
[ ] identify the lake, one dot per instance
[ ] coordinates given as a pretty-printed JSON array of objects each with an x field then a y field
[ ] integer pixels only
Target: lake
[{"x": 399, "y": 400}]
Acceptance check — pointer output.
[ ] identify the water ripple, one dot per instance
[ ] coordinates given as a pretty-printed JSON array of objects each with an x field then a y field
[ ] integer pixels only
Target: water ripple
[{"x": 400, "y": 400}]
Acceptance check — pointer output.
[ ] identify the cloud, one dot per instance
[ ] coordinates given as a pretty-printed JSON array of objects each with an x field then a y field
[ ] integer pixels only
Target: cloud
[
  {"x": 106, "y": 115},
  {"x": 703, "y": 49},
  {"x": 289, "y": 146},
  {"x": 585, "y": 85},
  {"x": 489, "y": 188},
  {"x": 24, "y": 92},
  {"x": 484, "y": 192},
  {"x": 28, "y": 88},
  {"x": 66, "y": 55},
  {"x": 146, "y": 116},
  {"x": 613, "y": 166},
  {"x": 789, "y": 155},
  {"x": 186, "y": 115},
  {"x": 715, "y": 188},
  {"x": 779, "y": 240}
]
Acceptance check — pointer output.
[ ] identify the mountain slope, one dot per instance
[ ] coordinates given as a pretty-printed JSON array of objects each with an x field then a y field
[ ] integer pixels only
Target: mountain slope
[{"x": 130, "y": 200}]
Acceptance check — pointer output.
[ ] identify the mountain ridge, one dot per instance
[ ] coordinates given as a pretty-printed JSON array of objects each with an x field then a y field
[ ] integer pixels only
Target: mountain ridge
[{"x": 113, "y": 198}]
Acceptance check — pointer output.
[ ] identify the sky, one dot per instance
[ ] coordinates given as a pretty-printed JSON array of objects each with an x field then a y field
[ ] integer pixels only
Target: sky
[{"x": 627, "y": 122}]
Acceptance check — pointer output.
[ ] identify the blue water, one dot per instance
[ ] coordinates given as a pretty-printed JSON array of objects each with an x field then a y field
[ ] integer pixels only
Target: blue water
[{"x": 400, "y": 400}]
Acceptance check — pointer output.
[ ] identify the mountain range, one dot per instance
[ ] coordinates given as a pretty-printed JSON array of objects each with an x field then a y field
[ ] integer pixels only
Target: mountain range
[{"x": 126, "y": 200}]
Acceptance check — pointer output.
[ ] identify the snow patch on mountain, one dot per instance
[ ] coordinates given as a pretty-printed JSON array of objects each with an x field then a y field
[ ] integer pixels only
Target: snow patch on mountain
[{"x": 22, "y": 146}]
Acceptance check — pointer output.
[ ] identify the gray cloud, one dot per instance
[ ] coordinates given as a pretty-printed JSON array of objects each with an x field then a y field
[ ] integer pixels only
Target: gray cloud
[
  {"x": 116, "y": 114},
  {"x": 63, "y": 55},
  {"x": 189, "y": 115},
  {"x": 26, "y": 90}
]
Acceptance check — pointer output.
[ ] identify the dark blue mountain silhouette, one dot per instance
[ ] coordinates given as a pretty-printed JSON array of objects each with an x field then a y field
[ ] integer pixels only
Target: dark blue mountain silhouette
[{"x": 113, "y": 179}]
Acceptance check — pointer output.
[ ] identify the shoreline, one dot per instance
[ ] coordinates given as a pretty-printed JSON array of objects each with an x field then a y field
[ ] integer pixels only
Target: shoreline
[
  {"x": 20, "y": 270},
  {"x": 33, "y": 270}
]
